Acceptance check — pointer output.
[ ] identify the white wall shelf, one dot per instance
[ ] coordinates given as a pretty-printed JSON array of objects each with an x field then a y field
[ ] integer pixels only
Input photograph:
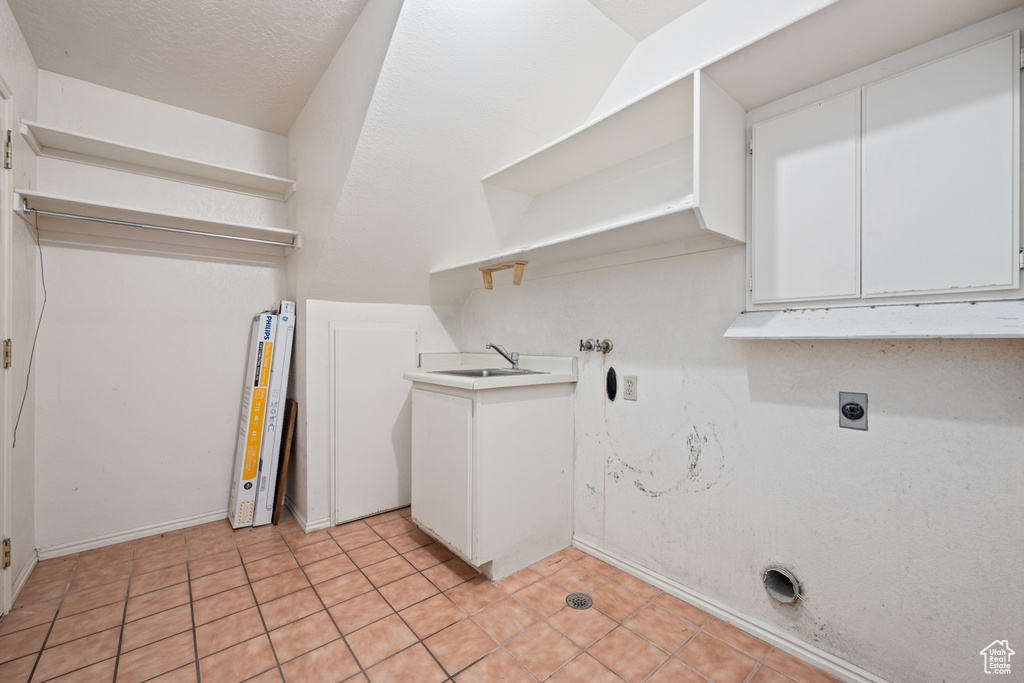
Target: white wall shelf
[
  {"x": 837, "y": 40},
  {"x": 110, "y": 215},
  {"x": 641, "y": 126},
  {"x": 66, "y": 144},
  {"x": 982, "y": 320},
  {"x": 667, "y": 168},
  {"x": 674, "y": 224}
]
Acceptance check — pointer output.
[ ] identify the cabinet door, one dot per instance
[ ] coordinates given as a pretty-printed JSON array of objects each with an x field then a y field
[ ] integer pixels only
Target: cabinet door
[
  {"x": 939, "y": 175},
  {"x": 805, "y": 203},
  {"x": 442, "y": 460}
]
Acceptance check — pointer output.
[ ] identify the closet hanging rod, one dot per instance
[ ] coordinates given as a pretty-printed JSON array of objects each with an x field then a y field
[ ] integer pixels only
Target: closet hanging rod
[{"x": 56, "y": 214}]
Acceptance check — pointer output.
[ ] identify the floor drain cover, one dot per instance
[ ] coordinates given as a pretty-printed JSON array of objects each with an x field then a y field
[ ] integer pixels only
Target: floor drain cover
[{"x": 579, "y": 601}]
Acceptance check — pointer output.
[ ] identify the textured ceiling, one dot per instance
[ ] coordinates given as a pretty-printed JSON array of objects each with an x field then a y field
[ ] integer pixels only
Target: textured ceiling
[
  {"x": 641, "y": 18},
  {"x": 254, "y": 62}
]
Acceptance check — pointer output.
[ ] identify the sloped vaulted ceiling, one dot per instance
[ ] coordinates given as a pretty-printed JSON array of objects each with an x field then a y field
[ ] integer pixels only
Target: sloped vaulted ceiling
[
  {"x": 641, "y": 18},
  {"x": 254, "y": 62}
]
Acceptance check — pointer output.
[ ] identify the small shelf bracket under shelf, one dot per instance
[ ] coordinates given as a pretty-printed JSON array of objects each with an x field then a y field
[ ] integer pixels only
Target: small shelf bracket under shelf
[{"x": 517, "y": 278}]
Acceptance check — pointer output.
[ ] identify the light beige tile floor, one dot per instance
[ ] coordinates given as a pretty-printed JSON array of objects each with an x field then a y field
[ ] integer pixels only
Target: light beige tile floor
[{"x": 373, "y": 600}]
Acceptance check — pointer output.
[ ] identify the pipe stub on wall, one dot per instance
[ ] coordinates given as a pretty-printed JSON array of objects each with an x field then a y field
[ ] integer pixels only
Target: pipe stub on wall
[{"x": 781, "y": 584}]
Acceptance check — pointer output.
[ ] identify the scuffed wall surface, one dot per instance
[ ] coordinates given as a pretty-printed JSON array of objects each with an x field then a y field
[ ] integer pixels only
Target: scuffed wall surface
[{"x": 907, "y": 537}]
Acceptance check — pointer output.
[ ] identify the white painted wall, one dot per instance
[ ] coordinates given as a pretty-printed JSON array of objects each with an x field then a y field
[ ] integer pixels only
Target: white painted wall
[
  {"x": 142, "y": 345},
  {"x": 321, "y": 143},
  {"x": 906, "y": 537},
  {"x": 703, "y": 35},
  {"x": 465, "y": 88},
  {"x": 390, "y": 149},
  {"x": 18, "y": 70},
  {"x": 899, "y": 534},
  {"x": 83, "y": 107},
  {"x": 138, "y": 386}
]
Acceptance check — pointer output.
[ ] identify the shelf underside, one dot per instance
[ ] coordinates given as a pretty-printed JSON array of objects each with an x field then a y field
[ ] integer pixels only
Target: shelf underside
[
  {"x": 223, "y": 234},
  {"x": 650, "y": 123},
  {"x": 60, "y": 143},
  {"x": 673, "y": 231},
  {"x": 981, "y": 320}
]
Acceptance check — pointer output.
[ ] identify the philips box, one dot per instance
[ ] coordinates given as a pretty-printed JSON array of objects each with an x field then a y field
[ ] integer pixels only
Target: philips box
[
  {"x": 274, "y": 421},
  {"x": 255, "y": 394}
]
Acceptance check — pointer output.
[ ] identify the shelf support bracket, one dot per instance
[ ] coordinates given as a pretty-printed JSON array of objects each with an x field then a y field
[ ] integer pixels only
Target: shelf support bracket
[{"x": 517, "y": 277}]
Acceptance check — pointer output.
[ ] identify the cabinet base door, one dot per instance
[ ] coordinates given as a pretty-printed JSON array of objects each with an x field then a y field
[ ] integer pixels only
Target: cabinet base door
[{"x": 442, "y": 474}]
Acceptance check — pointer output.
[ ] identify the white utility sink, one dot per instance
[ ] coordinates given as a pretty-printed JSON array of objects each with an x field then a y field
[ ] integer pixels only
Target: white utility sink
[{"x": 492, "y": 456}]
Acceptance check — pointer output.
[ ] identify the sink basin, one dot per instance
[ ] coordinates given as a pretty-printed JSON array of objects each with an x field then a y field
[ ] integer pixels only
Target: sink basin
[{"x": 487, "y": 372}]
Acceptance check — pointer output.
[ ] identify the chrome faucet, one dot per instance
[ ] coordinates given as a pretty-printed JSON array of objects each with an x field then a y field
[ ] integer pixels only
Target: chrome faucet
[{"x": 513, "y": 358}]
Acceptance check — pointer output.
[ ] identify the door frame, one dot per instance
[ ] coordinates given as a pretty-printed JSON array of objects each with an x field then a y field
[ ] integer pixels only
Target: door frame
[{"x": 6, "y": 332}]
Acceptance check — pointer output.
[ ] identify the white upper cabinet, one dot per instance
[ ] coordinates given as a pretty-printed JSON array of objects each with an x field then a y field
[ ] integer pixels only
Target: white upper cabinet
[
  {"x": 806, "y": 208},
  {"x": 906, "y": 187},
  {"x": 940, "y": 207}
]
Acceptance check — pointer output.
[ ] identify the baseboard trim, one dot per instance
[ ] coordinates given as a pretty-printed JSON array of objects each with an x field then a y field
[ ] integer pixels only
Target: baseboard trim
[
  {"x": 306, "y": 526},
  {"x": 22, "y": 578},
  {"x": 828, "y": 663},
  {"x": 62, "y": 549}
]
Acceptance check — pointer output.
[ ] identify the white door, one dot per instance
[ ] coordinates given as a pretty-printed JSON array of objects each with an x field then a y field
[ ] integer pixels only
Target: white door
[
  {"x": 442, "y": 466},
  {"x": 805, "y": 203},
  {"x": 371, "y": 419},
  {"x": 940, "y": 181}
]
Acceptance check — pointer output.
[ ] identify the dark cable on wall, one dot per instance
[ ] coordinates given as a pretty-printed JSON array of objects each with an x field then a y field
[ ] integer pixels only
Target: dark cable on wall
[{"x": 35, "y": 338}]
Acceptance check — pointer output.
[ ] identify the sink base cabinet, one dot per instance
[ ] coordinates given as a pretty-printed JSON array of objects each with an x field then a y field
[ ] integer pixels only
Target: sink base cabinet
[{"x": 491, "y": 472}]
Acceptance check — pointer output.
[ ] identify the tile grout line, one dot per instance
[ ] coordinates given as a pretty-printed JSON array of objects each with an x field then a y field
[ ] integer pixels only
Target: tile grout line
[
  {"x": 312, "y": 586},
  {"x": 708, "y": 622},
  {"x": 53, "y": 622},
  {"x": 256, "y": 602},
  {"x": 376, "y": 589},
  {"x": 124, "y": 613},
  {"x": 420, "y": 641},
  {"x": 191, "y": 611}
]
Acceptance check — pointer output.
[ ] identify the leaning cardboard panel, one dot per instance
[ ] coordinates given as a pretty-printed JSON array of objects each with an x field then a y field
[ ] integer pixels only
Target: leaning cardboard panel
[
  {"x": 275, "y": 414},
  {"x": 250, "y": 432}
]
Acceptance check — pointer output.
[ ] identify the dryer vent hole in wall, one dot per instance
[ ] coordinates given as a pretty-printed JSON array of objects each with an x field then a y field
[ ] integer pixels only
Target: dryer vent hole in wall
[
  {"x": 611, "y": 384},
  {"x": 781, "y": 585}
]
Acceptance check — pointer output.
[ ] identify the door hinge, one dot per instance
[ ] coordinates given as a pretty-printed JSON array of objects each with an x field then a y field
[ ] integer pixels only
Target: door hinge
[
  {"x": 1022, "y": 58},
  {"x": 750, "y": 283},
  {"x": 750, "y": 147},
  {"x": 1020, "y": 259},
  {"x": 8, "y": 151},
  {"x": 7, "y": 554},
  {"x": 7, "y": 353}
]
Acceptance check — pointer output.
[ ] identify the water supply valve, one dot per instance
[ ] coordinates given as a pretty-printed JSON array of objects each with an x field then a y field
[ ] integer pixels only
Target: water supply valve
[{"x": 593, "y": 345}]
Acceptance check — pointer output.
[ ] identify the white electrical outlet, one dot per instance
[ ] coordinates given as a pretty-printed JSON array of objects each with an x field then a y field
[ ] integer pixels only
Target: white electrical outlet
[{"x": 629, "y": 387}]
